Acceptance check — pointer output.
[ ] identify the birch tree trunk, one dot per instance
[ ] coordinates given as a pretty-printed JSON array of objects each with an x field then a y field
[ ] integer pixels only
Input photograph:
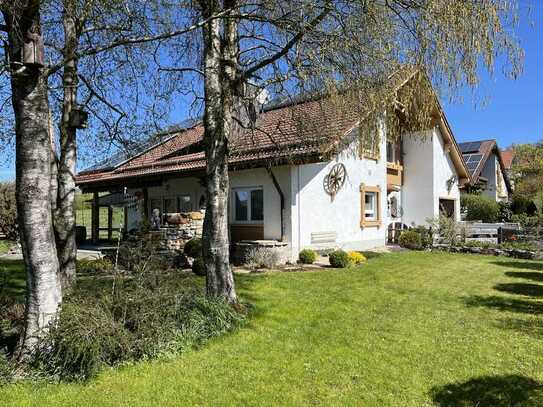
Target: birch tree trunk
[
  {"x": 65, "y": 214},
  {"x": 217, "y": 124},
  {"x": 33, "y": 180}
]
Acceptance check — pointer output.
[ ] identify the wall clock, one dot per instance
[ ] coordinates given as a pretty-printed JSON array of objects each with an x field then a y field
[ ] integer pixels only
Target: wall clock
[{"x": 335, "y": 179}]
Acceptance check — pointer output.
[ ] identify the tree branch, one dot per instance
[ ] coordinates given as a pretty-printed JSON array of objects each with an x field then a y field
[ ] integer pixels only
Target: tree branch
[{"x": 288, "y": 46}]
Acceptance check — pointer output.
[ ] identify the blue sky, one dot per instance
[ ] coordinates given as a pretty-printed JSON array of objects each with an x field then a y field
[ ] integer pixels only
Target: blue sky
[
  {"x": 513, "y": 112},
  {"x": 513, "y": 109}
]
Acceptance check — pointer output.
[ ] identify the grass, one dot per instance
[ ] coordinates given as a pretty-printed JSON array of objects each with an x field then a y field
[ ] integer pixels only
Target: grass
[
  {"x": 4, "y": 246},
  {"x": 406, "y": 329}
]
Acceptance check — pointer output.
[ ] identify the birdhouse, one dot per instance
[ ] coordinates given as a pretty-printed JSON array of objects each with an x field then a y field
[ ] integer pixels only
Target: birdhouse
[
  {"x": 79, "y": 118},
  {"x": 34, "y": 51}
]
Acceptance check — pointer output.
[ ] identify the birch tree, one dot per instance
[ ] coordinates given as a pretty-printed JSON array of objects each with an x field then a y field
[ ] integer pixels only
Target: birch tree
[{"x": 29, "y": 95}]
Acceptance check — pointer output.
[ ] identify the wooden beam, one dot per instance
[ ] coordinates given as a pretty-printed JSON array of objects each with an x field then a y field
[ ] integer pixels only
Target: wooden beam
[
  {"x": 145, "y": 204},
  {"x": 109, "y": 223},
  {"x": 95, "y": 218}
]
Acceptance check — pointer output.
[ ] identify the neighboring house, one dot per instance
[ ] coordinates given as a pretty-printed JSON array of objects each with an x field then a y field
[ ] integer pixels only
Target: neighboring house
[
  {"x": 300, "y": 176},
  {"x": 487, "y": 167}
]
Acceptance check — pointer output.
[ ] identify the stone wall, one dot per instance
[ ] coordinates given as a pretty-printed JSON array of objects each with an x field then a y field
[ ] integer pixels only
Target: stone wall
[{"x": 173, "y": 236}]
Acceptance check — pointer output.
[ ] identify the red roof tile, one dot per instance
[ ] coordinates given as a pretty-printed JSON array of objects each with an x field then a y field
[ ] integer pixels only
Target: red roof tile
[
  {"x": 507, "y": 157},
  {"x": 300, "y": 129}
]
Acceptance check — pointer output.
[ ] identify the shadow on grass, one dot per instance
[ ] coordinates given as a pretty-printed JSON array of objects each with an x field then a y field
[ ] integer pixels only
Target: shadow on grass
[
  {"x": 527, "y": 289},
  {"x": 528, "y": 275},
  {"x": 505, "y": 304},
  {"x": 491, "y": 391},
  {"x": 531, "y": 327},
  {"x": 526, "y": 265}
]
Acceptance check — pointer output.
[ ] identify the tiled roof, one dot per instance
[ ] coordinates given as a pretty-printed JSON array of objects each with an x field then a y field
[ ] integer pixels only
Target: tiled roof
[
  {"x": 507, "y": 157},
  {"x": 297, "y": 130}
]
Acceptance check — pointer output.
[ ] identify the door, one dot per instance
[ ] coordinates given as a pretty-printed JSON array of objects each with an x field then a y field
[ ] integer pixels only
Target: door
[{"x": 447, "y": 207}]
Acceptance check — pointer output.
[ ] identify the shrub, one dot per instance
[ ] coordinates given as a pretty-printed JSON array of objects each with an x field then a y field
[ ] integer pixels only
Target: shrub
[
  {"x": 480, "y": 207},
  {"x": 262, "y": 257},
  {"x": 132, "y": 324},
  {"x": 426, "y": 237},
  {"x": 193, "y": 248},
  {"x": 356, "y": 258},
  {"x": 448, "y": 230},
  {"x": 142, "y": 255},
  {"x": 12, "y": 316},
  {"x": 410, "y": 239},
  {"x": 8, "y": 211},
  {"x": 198, "y": 266},
  {"x": 527, "y": 221},
  {"x": 95, "y": 266},
  {"x": 339, "y": 259},
  {"x": 307, "y": 256},
  {"x": 523, "y": 205},
  {"x": 505, "y": 212},
  {"x": 518, "y": 246},
  {"x": 6, "y": 369},
  {"x": 86, "y": 338}
]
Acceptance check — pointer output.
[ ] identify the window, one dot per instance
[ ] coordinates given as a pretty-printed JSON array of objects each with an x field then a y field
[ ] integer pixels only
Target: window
[
  {"x": 169, "y": 205},
  {"x": 184, "y": 203},
  {"x": 248, "y": 204},
  {"x": 371, "y": 207},
  {"x": 394, "y": 151}
]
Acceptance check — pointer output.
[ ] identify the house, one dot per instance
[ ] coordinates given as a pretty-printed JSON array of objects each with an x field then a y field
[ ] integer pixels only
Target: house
[
  {"x": 301, "y": 176},
  {"x": 489, "y": 173}
]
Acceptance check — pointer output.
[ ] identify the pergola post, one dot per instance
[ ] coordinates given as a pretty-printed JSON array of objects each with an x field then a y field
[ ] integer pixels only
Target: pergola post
[
  {"x": 109, "y": 223},
  {"x": 145, "y": 204},
  {"x": 95, "y": 218}
]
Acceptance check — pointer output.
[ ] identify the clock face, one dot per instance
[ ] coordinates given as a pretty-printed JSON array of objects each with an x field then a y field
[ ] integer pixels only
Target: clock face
[{"x": 335, "y": 179}]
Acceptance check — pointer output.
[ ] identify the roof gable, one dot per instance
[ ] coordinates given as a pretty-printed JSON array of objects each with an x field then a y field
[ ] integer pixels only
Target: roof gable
[{"x": 476, "y": 155}]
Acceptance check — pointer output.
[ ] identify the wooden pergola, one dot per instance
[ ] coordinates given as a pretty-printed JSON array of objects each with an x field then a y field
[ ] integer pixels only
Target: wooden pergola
[{"x": 107, "y": 201}]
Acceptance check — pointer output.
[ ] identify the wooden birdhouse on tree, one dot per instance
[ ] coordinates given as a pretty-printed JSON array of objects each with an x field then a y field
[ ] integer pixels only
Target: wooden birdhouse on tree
[
  {"x": 33, "y": 51},
  {"x": 79, "y": 118}
]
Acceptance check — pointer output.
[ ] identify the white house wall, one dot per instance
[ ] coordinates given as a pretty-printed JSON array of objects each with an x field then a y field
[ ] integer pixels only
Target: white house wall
[
  {"x": 444, "y": 170},
  {"x": 418, "y": 182},
  {"x": 427, "y": 167},
  {"x": 314, "y": 211},
  {"x": 259, "y": 177}
]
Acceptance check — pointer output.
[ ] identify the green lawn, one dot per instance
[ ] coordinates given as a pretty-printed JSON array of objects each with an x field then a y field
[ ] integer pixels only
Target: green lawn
[{"x": 407, "y": 329}]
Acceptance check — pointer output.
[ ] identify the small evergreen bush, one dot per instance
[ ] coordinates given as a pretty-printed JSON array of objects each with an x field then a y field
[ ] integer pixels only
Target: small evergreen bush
[
  {"x": 339, "y": 259},
  {"x": 193, "y": 248},
  {"x": 480, "y": 208},
  {"x": 198, "y": 266},
  {"x": 410, "y": 239},
  {"x": 356, "y": 258},
  {"x": 307, "y": 256}
]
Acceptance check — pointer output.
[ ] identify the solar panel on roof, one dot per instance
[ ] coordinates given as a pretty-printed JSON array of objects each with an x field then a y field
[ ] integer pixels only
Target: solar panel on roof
[
  {"x": 473, "y": 158},
  {"x": 470, "y": 147}
]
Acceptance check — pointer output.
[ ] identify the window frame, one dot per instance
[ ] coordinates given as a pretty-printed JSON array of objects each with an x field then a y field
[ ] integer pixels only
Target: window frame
[
  {"x": 249, "y": 220},
  {"x": 376, "y": 221}
]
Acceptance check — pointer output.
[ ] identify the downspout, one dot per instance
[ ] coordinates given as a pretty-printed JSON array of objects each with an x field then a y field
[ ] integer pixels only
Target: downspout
[{"x": 281, "y": 198}]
